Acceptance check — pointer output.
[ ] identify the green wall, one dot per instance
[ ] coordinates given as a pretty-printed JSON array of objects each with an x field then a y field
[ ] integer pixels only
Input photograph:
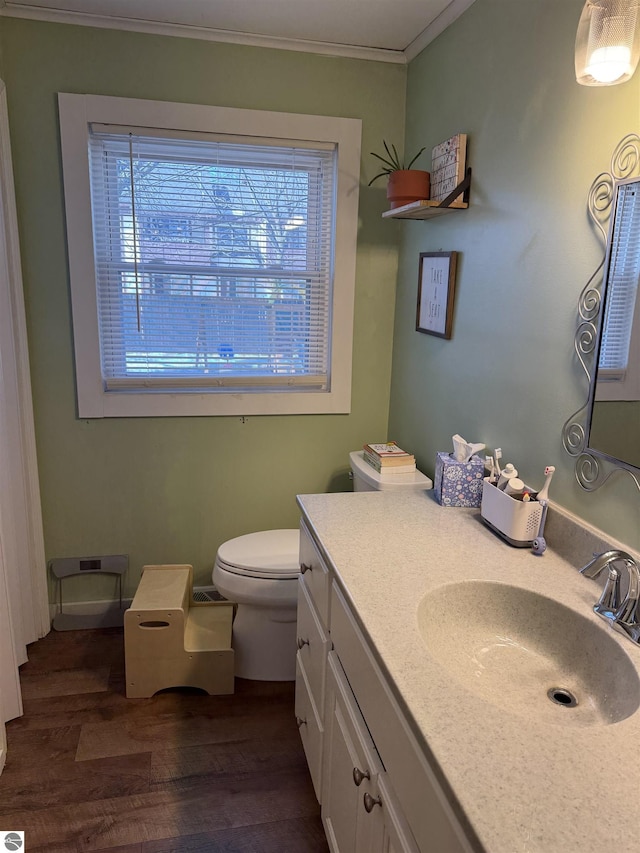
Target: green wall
[
  {"x": 172, "y": 489},
  {"x": 615, "y": 427},
  {"x": 165, "y": 489},
  {"x": 503, "y": 73}
]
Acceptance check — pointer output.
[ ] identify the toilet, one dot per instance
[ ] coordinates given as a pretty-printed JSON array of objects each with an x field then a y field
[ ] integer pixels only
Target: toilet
[{"x": 259, "y": 572}]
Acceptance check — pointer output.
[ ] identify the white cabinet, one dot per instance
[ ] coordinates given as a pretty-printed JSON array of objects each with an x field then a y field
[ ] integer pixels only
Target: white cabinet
[
  {"x": 311, "y": 658},
  {"x": 424, "y": 805},
  {"x": 311, "y": 637},
  {"x": 315, "y": 574},
  {"x": 350, "y": 765},
  {"x": 377, "y": 789},
  {"x": 310, "y": 726},
  {"x": 359, "y": 811},
  {"x": 390, "y": 832}
]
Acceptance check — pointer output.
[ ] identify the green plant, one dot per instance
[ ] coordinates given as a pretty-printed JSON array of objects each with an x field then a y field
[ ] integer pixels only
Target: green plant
[{"x": 392, "y": 161}]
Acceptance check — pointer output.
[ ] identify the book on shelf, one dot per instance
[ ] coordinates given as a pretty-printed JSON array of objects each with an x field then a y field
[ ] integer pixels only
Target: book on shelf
[
  {"x": 404, "y": 464},
  {"x": 393, "y": 470},
  {"x": 387, "y": 451}
]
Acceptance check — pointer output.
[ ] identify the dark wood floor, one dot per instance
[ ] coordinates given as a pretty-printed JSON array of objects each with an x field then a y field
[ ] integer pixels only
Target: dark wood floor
[{"x": 88, "y": 769}]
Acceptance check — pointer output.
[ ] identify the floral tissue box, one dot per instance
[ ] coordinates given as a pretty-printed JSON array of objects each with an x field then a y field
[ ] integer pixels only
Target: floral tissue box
[{"x": 458, "y": 483}]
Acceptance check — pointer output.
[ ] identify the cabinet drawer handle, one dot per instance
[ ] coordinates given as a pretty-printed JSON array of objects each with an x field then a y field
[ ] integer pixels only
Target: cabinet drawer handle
[
  {"x": 302, "y": 643},
  {"x": 304, "y": 567},
  {"x": 370, "y": 802},
  {"x": 300, "y": 722},
  {"x": 360, "y": 775}
]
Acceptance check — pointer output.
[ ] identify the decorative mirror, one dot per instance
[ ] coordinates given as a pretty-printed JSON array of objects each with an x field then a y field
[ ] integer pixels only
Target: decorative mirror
[{"x": 603, "y": 434}]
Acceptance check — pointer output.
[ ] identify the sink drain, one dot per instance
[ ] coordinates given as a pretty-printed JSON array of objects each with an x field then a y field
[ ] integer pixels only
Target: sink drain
[{"x": 562, "y": 696}]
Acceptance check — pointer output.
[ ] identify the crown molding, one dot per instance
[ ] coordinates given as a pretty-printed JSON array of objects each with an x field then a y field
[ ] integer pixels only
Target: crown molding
[
  {"x": 17, "y": 10},
  {"x": 437, "y": 26}
]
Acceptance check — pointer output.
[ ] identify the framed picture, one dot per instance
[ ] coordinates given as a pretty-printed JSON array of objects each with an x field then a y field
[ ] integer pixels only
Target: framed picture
[{"x": 436, "y": 287}]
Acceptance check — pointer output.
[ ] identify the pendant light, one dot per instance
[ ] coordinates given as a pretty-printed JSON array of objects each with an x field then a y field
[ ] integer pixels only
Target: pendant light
[{"x": 608, "y": 42}]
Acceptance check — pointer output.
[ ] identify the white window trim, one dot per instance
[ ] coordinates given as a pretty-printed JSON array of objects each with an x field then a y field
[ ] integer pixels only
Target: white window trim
[{"x": 77, "y": 113}]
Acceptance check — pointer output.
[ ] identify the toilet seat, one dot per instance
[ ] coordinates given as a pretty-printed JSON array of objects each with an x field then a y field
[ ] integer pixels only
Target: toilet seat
[{"x": 268, "y": 555}]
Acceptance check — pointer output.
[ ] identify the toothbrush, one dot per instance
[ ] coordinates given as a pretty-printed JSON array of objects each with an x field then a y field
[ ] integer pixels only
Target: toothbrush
[
  {"x": 497, "y": 456},
  {"x": 543, "y": 494},
  {"x": 490, "y": 466},
  {"x": 539, "y": 544}
]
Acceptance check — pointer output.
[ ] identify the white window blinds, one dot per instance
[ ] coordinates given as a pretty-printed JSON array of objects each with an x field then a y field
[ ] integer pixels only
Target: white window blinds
[
  {"x": 214, "y": 261},
  {"x": 622, "y": 285}
]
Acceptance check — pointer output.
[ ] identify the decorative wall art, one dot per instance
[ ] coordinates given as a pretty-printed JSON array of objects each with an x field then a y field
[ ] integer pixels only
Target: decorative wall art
[
  {"x": 448, "y": 161},
  {"x": 436, "y": 286}
]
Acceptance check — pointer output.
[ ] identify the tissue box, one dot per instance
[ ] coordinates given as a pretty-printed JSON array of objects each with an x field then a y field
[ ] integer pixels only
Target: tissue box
[{"x": 458, "y": 483}]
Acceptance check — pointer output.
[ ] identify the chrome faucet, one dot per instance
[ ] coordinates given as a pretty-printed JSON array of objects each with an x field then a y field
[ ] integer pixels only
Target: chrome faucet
[{"x": 622, "y": 615}]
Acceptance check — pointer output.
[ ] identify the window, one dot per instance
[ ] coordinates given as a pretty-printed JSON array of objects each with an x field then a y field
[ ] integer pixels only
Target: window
[{"x": 212, "y": 257}]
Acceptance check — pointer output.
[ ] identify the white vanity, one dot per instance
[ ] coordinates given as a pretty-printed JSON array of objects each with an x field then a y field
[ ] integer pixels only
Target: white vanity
[{"x": 423, "y": 737}]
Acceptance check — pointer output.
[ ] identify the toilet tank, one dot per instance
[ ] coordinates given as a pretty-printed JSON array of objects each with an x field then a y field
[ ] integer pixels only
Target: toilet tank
[{"x": 367, "y": 479}]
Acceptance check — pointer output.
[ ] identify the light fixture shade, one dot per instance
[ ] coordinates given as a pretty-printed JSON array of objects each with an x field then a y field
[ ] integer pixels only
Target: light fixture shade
[{"x": 607, "y": 42}]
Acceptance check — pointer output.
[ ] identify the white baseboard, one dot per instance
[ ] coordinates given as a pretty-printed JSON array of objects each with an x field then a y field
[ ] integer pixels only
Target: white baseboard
[
  {"x": 88, "y": 614},
  {"x": 76, "y": 615}
]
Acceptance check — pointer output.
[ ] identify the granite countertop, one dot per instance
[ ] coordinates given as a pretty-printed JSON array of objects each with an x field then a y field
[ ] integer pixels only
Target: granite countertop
[{"x": 525, "y": 785}]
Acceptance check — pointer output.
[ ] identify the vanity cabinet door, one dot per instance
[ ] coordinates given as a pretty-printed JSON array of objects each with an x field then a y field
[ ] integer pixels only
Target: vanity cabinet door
[
  {"x": 315, "y": 574},
  {"x": 424, "y": 804},
  {"x": 350, "y": 770},
  {"x": 310, "y": 728},
  {"x": 312, "y": 645},
  {"x": 388, "y": 830},
  {"x": 311, "y": 657}
]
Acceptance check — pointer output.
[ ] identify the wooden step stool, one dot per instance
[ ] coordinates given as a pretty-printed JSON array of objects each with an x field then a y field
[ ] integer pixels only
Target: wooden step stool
[{"x": 170, "y": 640}]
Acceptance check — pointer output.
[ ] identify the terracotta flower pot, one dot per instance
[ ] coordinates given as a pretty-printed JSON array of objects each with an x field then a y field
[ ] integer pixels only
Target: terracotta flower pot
[{"x": 408, "y": 185}]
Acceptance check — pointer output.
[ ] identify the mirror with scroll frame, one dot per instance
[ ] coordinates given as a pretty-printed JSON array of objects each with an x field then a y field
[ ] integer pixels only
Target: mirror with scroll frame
[{"x": 603, "y": 435}]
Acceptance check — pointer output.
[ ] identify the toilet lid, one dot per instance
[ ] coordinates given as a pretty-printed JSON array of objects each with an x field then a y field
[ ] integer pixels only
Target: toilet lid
[{"x": 270, "y": 553}]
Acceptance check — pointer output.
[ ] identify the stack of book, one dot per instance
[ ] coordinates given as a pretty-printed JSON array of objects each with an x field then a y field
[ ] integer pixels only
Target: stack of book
[{"x": 389, "y": 458}]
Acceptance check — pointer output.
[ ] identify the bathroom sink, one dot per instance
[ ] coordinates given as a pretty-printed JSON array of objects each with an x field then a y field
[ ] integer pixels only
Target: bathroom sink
[{"x": 528, "y": 654}]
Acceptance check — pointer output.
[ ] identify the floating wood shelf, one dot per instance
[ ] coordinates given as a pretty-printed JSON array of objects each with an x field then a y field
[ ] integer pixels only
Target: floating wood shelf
[
  {"x": 423, "y": 210},
  {"x": 427, "y": 209}
]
